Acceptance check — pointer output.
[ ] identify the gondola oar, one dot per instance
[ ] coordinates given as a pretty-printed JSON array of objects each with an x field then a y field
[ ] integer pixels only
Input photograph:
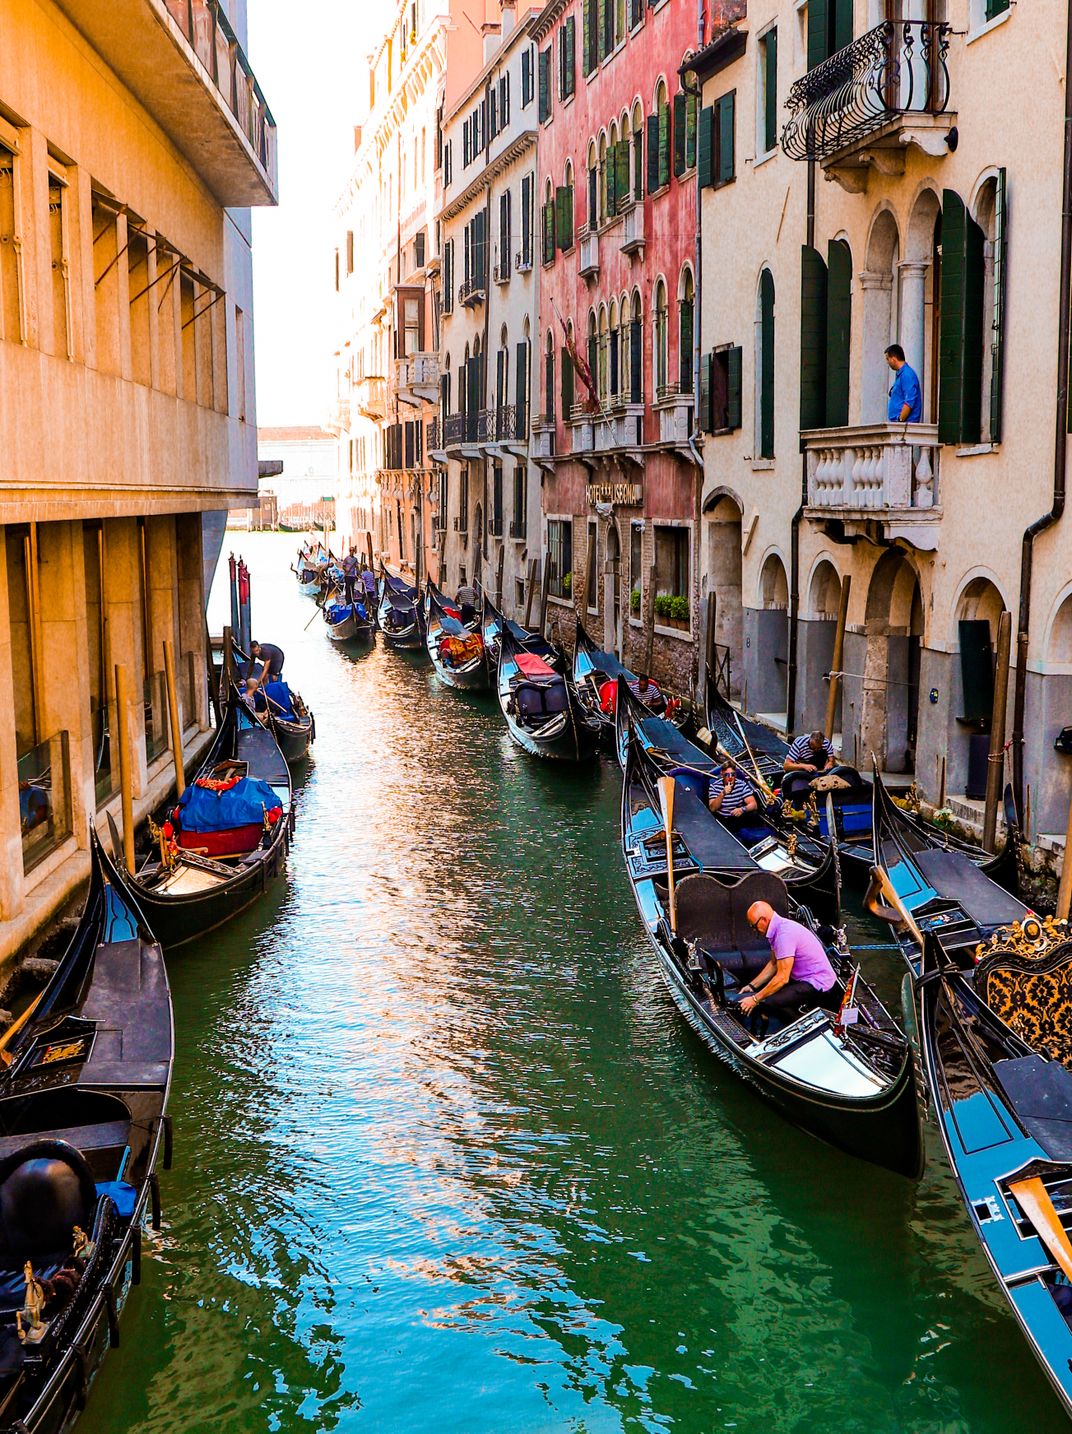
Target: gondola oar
[
  {"x": 765, "y": 787},
  {"x": 881, "y": 885},
  {"x": 1034, "y": 1200},
  {"x": 666, "y": 803}
]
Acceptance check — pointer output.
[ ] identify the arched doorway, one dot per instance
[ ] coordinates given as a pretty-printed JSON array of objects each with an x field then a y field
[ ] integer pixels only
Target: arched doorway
[
  {"x": 816, "y": 655},
  {"x": 889, "y": 717},
  {"x": 978, "y": 613},
  {"x": 723, "y": 578},
  {"x": 612, "y": 592},
  {"x": 478, "y": 545},
  {"x": 766, "y": 672}
]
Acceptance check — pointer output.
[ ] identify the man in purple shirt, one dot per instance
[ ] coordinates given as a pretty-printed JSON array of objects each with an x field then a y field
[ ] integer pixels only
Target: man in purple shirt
[{"x": 797, "y": 976}]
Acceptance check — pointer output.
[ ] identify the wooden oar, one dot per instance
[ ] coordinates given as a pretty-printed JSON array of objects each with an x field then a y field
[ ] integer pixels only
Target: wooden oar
[
  {"x": 886, "y": 888},
  {"x": 1034, "y": 1200},
  {"x": 666, "y": 805},
  {"x": 725, "y": 756}
]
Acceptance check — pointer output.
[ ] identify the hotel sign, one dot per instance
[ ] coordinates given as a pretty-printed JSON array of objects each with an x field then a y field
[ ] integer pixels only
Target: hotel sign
[{"x": 622, "y": 495}]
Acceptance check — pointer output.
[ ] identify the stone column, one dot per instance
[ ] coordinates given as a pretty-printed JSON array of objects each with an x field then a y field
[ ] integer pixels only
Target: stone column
[
  {"x": 65, "y": 662},
  {"x": 122, "y": 609},
  {"x": 877, "y": 289},
  {"x": 913, "y": 313},
  {"x": 873, "y": 722}
]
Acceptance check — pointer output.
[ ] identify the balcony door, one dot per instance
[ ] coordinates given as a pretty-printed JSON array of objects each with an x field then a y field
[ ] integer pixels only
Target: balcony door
[{"x": 612, "y": 593}]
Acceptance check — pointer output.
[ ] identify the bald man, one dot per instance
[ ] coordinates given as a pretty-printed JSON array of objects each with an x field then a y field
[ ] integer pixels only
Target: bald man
[{"x": 798, "y": 974}]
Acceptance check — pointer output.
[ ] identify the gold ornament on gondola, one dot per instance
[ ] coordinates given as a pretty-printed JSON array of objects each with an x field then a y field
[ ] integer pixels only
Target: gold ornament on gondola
[{"x": 1024, "y": 974}]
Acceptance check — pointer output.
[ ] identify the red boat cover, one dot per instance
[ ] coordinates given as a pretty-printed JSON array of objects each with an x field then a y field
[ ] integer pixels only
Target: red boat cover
[{"x": 529, "y": 665}]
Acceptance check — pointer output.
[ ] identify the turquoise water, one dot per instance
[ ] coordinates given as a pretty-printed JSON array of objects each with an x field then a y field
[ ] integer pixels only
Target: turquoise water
[{"x": 448, "y": 1159}]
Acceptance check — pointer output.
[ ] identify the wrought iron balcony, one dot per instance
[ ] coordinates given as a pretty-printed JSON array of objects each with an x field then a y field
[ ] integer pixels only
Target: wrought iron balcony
[
  {"x": 888, "y": 88},
  {"x": 434, "y": 429},
  {"x": 472, "y": 293},
  {"x": 453, "y": 430},
  {"x": 883, "y": 476},
  {"x": 506, "y": 425}
]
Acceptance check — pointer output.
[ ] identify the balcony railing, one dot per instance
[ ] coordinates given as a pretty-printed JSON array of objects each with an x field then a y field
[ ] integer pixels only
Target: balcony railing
[
  {"x": 471, "y": 293},
  {"x": 508, "y": 427},
  {"x": 434, "y": 430},
  {"x": 895, "y": 69},
  {"x": 453, "y": 430},
  {"x": 885, "y": 473},
  {"x": 418, "y": 372},
  {"x": 633, "y": 229},
  {"x": 589, "y": 254},
  {"x": 501, "y": 270},
  {"x": 675, "y": 413},
  {"x": 543, "y": 436}
]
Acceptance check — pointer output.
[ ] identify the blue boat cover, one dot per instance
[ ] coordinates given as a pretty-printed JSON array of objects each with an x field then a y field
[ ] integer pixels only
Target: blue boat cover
[
  {"x": 279, "y": 693},
  {"x": 451, "y": 626},
  {"x": 243, "y": 805}
]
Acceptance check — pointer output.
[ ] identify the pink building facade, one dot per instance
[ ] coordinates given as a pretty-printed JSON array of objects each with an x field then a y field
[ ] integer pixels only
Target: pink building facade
[{"x": 617, "y": 218}]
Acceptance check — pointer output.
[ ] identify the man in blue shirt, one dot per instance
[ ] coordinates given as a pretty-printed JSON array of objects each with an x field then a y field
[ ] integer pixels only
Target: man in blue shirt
[{"x": 906, "y": 398}]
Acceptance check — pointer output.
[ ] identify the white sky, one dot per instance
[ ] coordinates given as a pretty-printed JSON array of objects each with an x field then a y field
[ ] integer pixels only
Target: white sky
[{"x": 312, "y": 63}]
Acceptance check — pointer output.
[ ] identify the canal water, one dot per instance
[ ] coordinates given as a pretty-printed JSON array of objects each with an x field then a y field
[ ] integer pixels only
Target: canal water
[{"x": 448, "y": 1159}]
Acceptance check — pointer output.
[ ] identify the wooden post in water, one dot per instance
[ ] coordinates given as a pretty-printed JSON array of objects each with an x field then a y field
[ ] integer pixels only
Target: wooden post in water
[
  {"x": 1064, "y": 890},
  {"x": 649, "y": 620},
  {"x": 499, "y": 576},
  {"x": 709, "y": 650},
  {"x": 173, "y": 713},
  {"x": 941, "y": 783},
  {"x": 995, "y": 769},
  {"x": 530, "y": 592},
  {"x": 368, "y": 542},
  {"x": 228, "y": 666},
  {"x": 126, "y": 794},
  {"x": 545, "y": 589},
  {"x": 839, "y": 657},
  {"x": 589, "y": 575}
]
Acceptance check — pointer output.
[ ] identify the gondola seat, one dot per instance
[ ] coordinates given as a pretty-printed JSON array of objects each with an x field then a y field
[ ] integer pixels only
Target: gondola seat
[
  {"x": 536, "y": 703},
  {"x": 1032, "y": 995},
  {"x": 715, "y": 916}
]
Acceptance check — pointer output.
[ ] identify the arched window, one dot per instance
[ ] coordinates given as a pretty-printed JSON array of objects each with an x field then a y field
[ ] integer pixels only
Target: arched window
[
  {"x": 602, "y": 374},
  {"x": 601, "y": 208},
  {"x": 638, "y": 150},
  {"x": 990, "y": 285},
  {"x": 549, "y": 377},
  {"x": 592, "y": 216},
  {"x": 686, "y": 312},
  {"x": 548, "y": 223},
  {"x": 593, "y": 345},
  {"x": 660, "y": 336},
  {"x": 636, "y": 350},
  {"x": 765, "y": 366},
  {"x": 565, "y": 220},
  {"x": 659, "y": 162},
  {"x": 614, "y": 372},
  {"x": 502, "y": 384}
]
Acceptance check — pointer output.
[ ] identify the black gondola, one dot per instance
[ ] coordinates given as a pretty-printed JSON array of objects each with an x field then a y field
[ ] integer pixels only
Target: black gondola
[
  {"x": 493, "y": 624},
  {"x": 458, "y": 652},
  {"x": 349, "y": 622},
  {"x": 292, "y": 722},
  {"x": 184, "y": 893},
  {"x": 747, "y": 740},
  {"x": 83, "y": 1094},
  {"x": 400, "y": 614},
  {"x": 593, "y": 669},
  {"x": 540, "y": 708},
  {"x": 851, "y": 1084}
]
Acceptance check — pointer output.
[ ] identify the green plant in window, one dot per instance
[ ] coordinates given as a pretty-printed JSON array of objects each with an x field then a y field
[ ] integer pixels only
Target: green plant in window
[
  {"x": 662, "y": 605},
  {"x": 567, "y": 584},
  {"x": 679, "y": 609},
  {"x": 634, "y": 600}
]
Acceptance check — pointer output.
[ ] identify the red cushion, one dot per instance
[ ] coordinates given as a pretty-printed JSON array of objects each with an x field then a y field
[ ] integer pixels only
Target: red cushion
[
  {"x": 531, "y": 665},
  {"x": 235, "y": 842}
]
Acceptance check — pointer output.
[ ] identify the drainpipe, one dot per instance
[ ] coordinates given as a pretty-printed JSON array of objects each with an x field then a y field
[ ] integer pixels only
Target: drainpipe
[
  {"x": 1060, "y": 444},
  {"x": 794, "y": 542}
]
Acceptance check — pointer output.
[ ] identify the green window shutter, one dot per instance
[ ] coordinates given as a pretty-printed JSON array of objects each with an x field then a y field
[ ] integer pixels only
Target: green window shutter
[
  {"x": 727, "y": 166},
  {"x": 838, "y": 332},
  {"x": 996, "y": 7},
  {"x": 685, "y": 355},
  {"x": 692, "y": 105},
  {"x": 997, "y": 330},
  {"x": 549, "y": 382},
  {"x": 612, "y": 185},
  {"x": 960, "y": 337},
  {"x": 521, "y": 386},
  {"x": 813, "y": 328},
  {"x": 766, "y": 356},
  {"x": 548, "y": 233},
  {"x": 841, "y": 29},
  {"x": 706, "y": 148},
  {"x": 653, "y": 153},
  {"x": 664, "y": 144},
  {"x": 570, "y": 77},
  {"x": 679, "y": 135},
  {"x": 608, "y": 26},
  {"x": 818, "y": 32},
  {"x": 621, "y": 172},
  {"x": 567, "y": 384},
  {"x": 734, "y": 386},
  {"x": 564, "y": 217},
  {"x": 707, "y": 372},
  {"x": 545, "y": 85},
  {"x": 636, "y": 361},
  {"x": 588, "y": 49},
  {"x": 770, "y": 89}
]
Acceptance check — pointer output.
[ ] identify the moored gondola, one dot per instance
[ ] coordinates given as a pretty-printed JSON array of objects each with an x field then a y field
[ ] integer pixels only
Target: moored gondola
[
  {"x": 849, "y": 1081},
  {"x": 458, "y": 653},
  {"x": 349, "y": 622},
  {"x": 541, "y": 711},
  {"x": 209, "y": 863},
  {"x": 83, "y": 1096},
  {"x": 595, "y": 676},
  {"x": 400, "y": 614},
  {"x": 754, "y": 744},
  {"x": 292, "y": 723},
  {"x": 494, "y": 622}
]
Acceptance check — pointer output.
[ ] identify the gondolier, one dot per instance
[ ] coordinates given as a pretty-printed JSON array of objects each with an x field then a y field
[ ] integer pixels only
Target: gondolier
[
  {"x": 271, "y": 658},
  {"x": 798, "y": 974},
  {"x": 731, "y": 796}
]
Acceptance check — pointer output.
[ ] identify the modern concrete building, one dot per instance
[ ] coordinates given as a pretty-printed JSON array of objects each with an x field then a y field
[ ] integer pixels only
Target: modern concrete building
[
  {"x": 858, "y": 192},
  {"x": 133, "y": 139},
  {"x": 488, "y": 504}
]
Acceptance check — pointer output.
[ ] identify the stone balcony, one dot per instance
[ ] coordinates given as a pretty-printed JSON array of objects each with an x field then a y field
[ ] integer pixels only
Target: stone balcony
[
  {"x": 633, "y": 240},
  {"x": 370, "y": 397},
  {"x": 879, "y": 480},
  {"x": 183, "y": 61},
  {"x": 589, "y": 266},
  {"x": 417, "y": 378},
  {"x": 674, "y": 407},
  {"x": 543, "y": 437}
]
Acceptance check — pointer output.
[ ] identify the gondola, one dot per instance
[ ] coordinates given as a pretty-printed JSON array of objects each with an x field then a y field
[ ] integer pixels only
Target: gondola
[
  {"x": 850, "y": 1083},
  {"x": 83, "y": 1096},
  {"x": 1004, "y": 1109},
  {"x": 348, "y": 622},
  {"x": 458, "y": 653},
  {"x": 291, "y": 721},
  {"x": 400, "y": 615},
  {"x": 809, "y": 866},
  {"x": 188, "y": 890},
  {"x": 541, "y": 710},
  {"x": 749, "y": 741},
  {"x": 492, "y": 626},
  {"x": 593, "y": 669}
]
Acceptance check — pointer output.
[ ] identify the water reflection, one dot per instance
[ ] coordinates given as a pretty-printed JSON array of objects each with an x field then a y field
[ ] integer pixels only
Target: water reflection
[{"x": 448, "y": 1158}]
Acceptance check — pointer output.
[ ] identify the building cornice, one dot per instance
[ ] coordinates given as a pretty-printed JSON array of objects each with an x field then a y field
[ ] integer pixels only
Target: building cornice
[
  {"x": 547, "y": 17},
  {"x": 513, "y": 152},
  {"x": 723, "y": 50}
]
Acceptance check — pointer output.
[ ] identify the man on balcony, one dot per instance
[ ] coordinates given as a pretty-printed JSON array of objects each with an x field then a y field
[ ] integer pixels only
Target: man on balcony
[{"x": 906, "y": 397}]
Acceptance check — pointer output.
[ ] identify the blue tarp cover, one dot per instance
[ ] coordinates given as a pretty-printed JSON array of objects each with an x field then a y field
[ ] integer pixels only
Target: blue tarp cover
[
  {"x": 279, "y": 693},
  {"x": 242, "y": 805}
]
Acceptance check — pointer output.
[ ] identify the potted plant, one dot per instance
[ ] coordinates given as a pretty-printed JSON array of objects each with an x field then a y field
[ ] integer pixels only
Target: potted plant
[
  {"x": 662, "y": 605},
  {"x": 567, "y": 585},
  {"x": 634, "y": 600}
]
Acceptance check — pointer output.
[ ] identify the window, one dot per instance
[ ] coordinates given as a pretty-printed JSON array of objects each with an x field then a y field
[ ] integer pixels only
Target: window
[
  {"x": 825, "y": 334},
  {"x": 549, "y": 225},
  {"x": 636, "y": 569},
  {"x": 505, "y": 205},
  {"x": 960, "y": 339},
  {"x": 519, "y": 521},
  {"x": 448, "y": 163},
  {"x": 716, "y": 150},
  {"x": 526, "y": 77},
  {"x": 495, "y": 518},
  {"x": 545, "y": 86},
  {"x": 720, "y": 390},
  {"x": 686, "y": 326},
  {"x": 765, "y": 367},
  {"x": 411, "y": 325},
  {"x": 560, "y": 557},
  {"x": 685, "y": 103},
  {"x": 659, "y": 141},
  {"x": 767, "y": 92},
  {"x": 59, "y": 249},
  {"x": 636, "y": 13},
  {"x": 638, "y": 153},
  {"x": 672, "y": 576},
  {"x": 463, "y": 498},
  {"x": 829, "y": 29},
  {"x": 549, "y": 377},
  {"x": 521, "y": 396},
  {"x": 448, "y": 277},
  {"x": 589, "y": 37},
  {"x": 528, "y": 187},
  {"x": 12, "y": 317},
  {"x": 567, "y": 59},
  {"x": 636, "y": 352},
  {"x": 139, "y": 298},
  {"x": 660, "y": 337},
  {"x": 564, "y": 212}
]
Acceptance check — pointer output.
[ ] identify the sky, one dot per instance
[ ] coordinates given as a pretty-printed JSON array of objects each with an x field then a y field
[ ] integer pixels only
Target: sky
[{"x": 311, "y": 63}]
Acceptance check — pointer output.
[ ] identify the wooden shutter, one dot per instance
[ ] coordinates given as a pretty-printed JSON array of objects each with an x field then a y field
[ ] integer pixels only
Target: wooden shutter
[
  {"x": 706, "y": 153},
  {"x": 766, "y": 347},
  {"x": 841, "y": 29},
  {"x": 653, "y": 153},
  {"x": 620, "y": 158},
  {"x": 569, "y": 56},
  {"x": 734, "y": 386},
  {"x": 612, "y": 185},
  {"x": 818, "y": 32},
  {"x": 838, "y": 332},
  {"x": 526, "y": 219},
  {"x": 614, "y": 363},
  {"x": 548, "y": 232},
  {"x": 480, "y": 250},
  {"x": 997, "y": 332},
  {"x": 679, "y": 134},
  {"x": 608, "y": 26},
  {"x": 593, "y": 356},
  {"x": 960, "y": 338},
  {"x": 707, "y": 388},
  {"x": 813, "y": 326},
  {"x": 521, "y": 388},
  {"x": 770, "y": 89},
  {"x": 685, "y": 355},
  {"x": 567, "y": 384},
  {"x": 727, "y": 167},
  {"x": 500, "y": 379},
  {"x": 564, "y": 217},
  {"x": 692, "y": 105},
  {"x": 664, "y": 144},
  {"x": 545, "y": 85},
  {"x": 472, "y": 397},
  {"x": 549, "y": 382},
  {"x": 588, "y": 49},
  {"x": 636, "y": 361}
]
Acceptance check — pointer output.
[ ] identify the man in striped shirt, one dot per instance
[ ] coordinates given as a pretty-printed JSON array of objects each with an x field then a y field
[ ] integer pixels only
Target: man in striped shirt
[
  {"x": 808, "y": 756},
  {"x": 731, "y": 796}
]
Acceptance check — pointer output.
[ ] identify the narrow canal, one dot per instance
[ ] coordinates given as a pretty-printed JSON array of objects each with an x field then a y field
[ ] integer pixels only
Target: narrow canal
[{"x": 447, "y": 1158}]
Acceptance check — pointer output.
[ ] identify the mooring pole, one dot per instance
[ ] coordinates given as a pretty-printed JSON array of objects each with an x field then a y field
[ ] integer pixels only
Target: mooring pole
[
  {"x": 545, "y": 590},
  {"x": 228, "y": 666},
  {"x": 995, "y": 769},
  {"x": 1064, "y": 890},
  {"x": 173, "y": 713},
  {"x": 499, "y": 576},
  {"x": 122, "y": 712},
  {"x": 530, "y": 592},
  {"x": 839, "y": 657},
  {"x": 649, "y": 620}
]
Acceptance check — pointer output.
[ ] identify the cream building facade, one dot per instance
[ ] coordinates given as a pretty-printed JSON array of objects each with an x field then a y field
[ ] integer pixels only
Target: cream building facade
[
  {"x": 133, "y": 139},
  {"x": 489, "y": 490},
  {"x": 857, "y": 191}
]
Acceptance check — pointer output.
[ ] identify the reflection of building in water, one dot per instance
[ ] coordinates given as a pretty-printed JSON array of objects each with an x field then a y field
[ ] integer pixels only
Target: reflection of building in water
[
  {"x": 127, "y": 368},
  {"x": 297, "y": 480}
]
